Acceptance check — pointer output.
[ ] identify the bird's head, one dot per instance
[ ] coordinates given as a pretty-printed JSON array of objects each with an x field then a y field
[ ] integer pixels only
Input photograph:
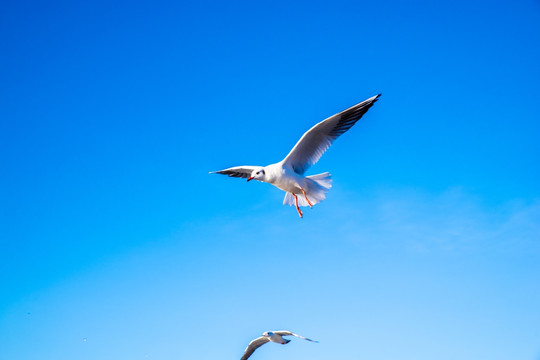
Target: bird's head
[
  {"x": 268, "y": 333},
  {"x": 257, "y": 174}
]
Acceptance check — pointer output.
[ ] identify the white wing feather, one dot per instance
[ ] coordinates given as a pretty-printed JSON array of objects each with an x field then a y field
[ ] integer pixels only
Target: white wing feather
[
  {"x": 312, "y": 145},
  {"x": 253, "y": 346},
  {"x": 288, "y": 333}
]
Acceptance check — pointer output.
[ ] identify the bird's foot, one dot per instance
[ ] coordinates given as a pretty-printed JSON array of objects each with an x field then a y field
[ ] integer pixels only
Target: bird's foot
[
  {"x": 296, "y": 203},
  {"x": 309, "y": 202}
]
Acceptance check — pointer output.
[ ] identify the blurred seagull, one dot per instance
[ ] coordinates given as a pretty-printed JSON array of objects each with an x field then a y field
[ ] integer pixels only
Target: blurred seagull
[
  {"x": 274, "y": 336},
  {"x": 288, "y": 174}
]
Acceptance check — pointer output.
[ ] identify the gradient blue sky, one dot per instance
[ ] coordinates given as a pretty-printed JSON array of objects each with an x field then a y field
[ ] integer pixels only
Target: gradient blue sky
[{"x": 116, "y": 243}]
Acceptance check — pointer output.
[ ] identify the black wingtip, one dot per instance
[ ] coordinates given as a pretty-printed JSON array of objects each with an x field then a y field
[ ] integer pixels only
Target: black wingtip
[{"x": 375, "y": 98}]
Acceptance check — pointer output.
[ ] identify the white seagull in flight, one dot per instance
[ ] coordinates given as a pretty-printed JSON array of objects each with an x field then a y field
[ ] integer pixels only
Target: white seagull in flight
[
  {"x": 288, "y": 174},
  {"x": 274, "y": 336}
]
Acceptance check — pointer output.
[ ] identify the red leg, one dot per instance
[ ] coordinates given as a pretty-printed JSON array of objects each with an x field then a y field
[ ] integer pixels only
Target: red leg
[
  {"x": 297, "y": 208},
  {"x": 309, "y": 202}
]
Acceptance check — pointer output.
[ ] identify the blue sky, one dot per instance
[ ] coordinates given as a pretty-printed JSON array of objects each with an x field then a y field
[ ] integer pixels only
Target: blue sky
[{"x": 115, "y": 242}]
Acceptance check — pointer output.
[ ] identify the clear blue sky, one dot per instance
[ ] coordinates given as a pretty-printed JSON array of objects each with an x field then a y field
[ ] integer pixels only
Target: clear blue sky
[{"x": 116, "y": 243}]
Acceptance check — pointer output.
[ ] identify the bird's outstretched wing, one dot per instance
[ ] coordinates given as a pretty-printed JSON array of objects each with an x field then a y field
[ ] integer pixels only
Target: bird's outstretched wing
[
  {"x": 237, "y": 171},
  {"x": 253, "y": 346},
  {"x": 286, "y": 333},
  {"x": 318, "y": 139}
]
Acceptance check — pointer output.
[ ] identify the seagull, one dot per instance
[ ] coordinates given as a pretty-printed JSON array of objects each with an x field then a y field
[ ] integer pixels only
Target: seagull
[
  {"x": 288, "y": 174},
  {"x": 274, "y": 336}
]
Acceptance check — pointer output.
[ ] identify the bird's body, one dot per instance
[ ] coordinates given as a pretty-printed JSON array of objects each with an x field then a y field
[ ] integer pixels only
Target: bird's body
[
  {"x": 288, "y": 174},
  {"x": 278, "y": 339},
  {"x": 285, "y": 178},
  {"x": 270, "y": 336}
]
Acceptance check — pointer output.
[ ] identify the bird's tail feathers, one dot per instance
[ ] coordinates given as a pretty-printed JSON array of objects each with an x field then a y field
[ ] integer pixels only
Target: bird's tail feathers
[
  {"x": 289, "y": 200},
  {"x": 324, "y": 179},
  {"x": 316, "y": 188}
]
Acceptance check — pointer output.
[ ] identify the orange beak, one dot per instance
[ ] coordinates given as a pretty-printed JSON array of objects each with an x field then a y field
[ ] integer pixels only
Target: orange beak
[{"x": 250, "y": 178}]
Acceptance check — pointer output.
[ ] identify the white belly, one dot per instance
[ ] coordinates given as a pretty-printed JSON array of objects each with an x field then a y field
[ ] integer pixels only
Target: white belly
[
  {"x": 277, "y": 339},
  {"x": 288, "y": 180}
]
